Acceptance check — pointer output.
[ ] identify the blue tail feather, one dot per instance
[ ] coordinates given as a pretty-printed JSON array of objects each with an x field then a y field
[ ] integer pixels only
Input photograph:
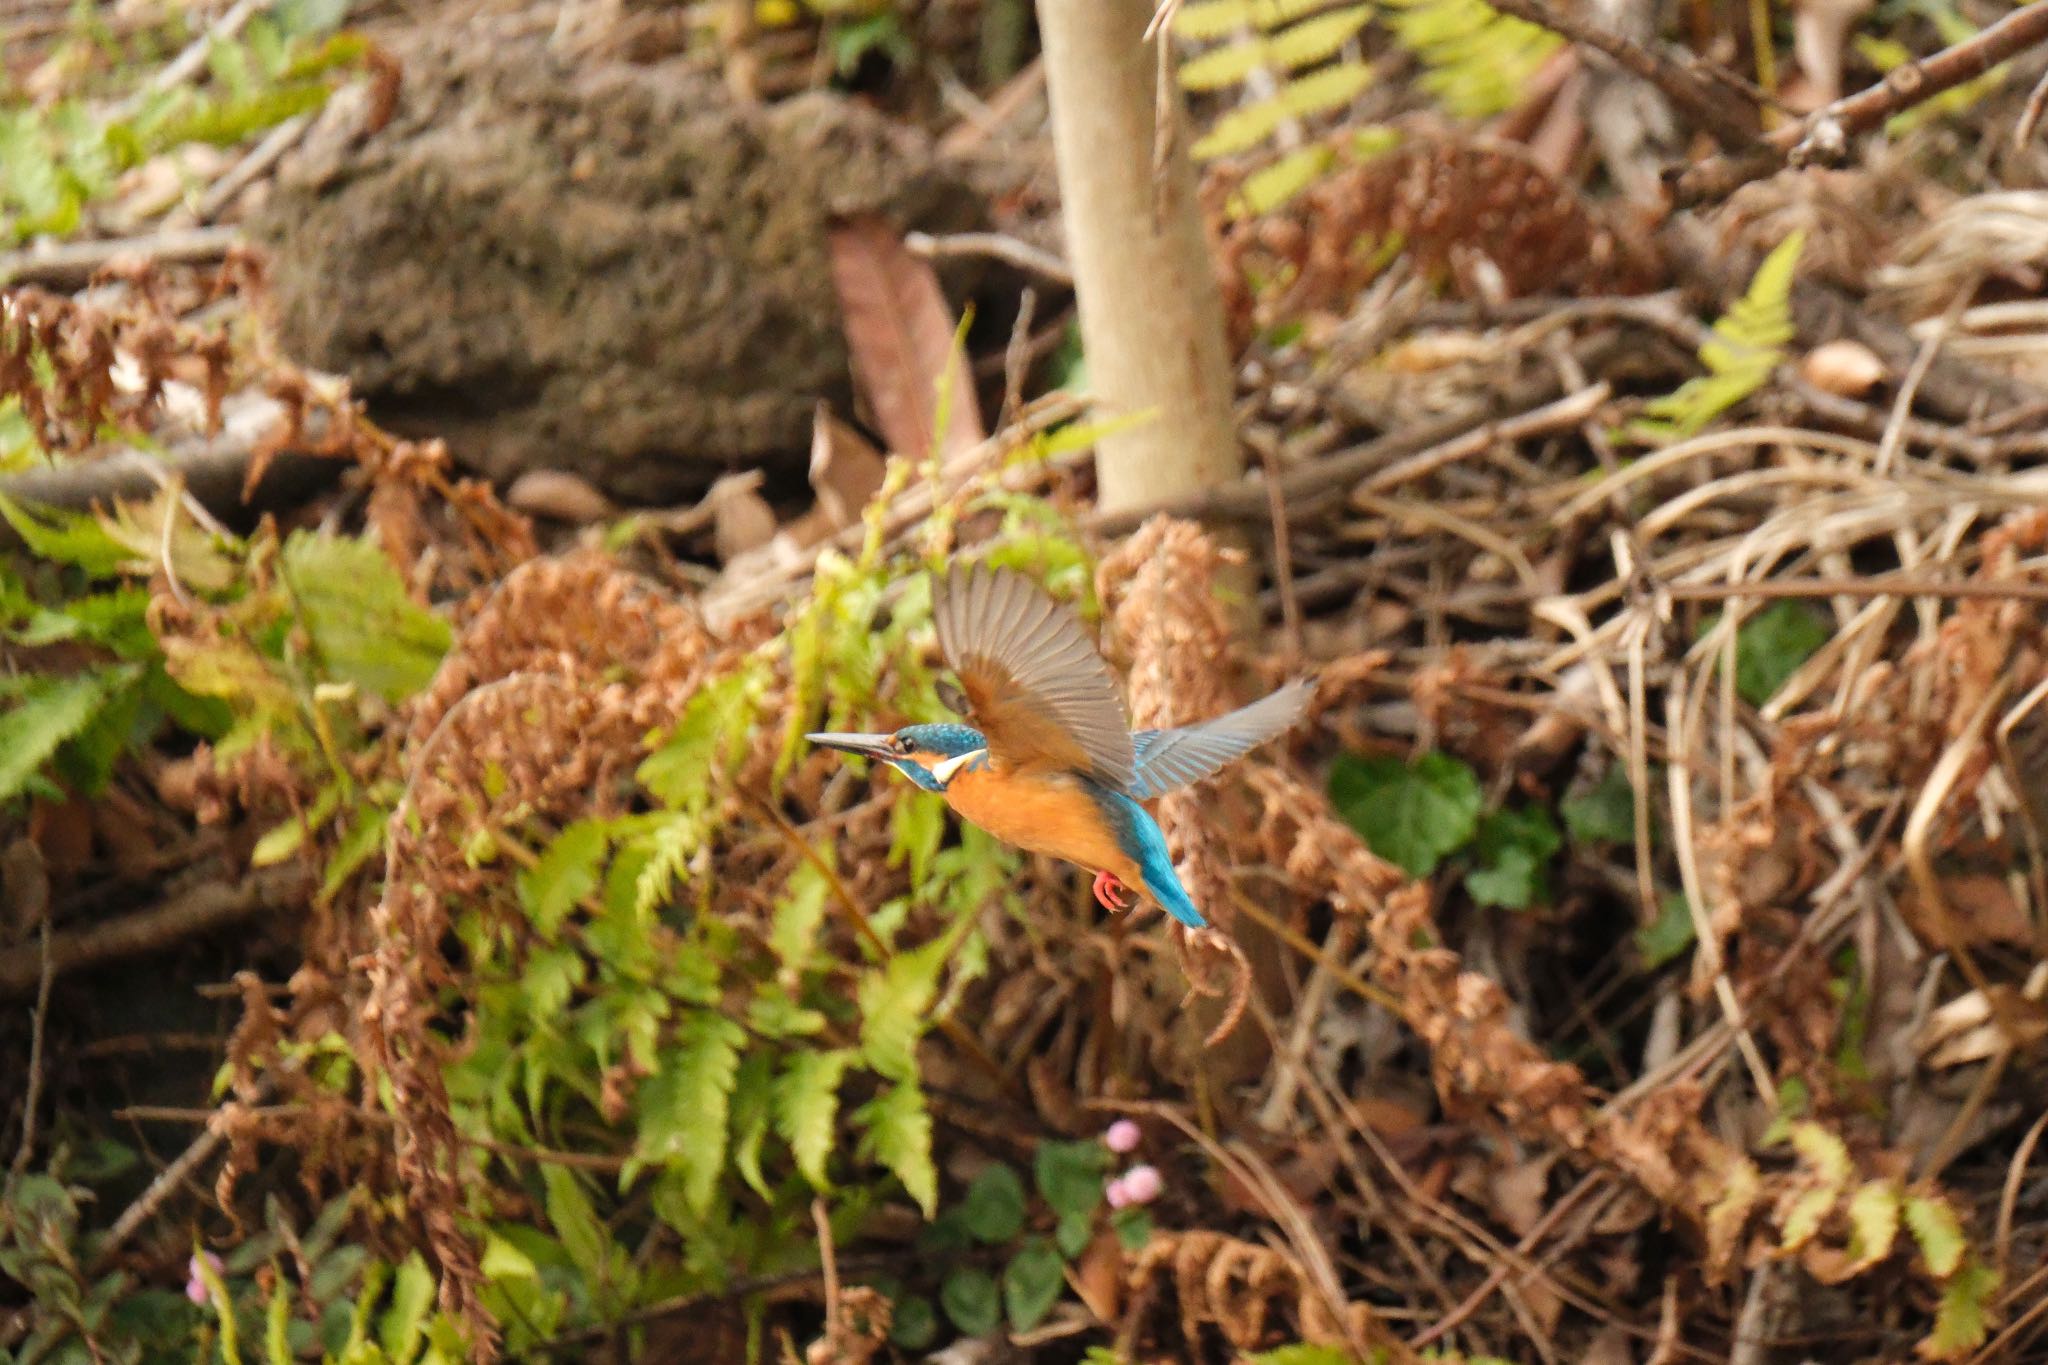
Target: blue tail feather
[{"x": 1140, "y": 836}]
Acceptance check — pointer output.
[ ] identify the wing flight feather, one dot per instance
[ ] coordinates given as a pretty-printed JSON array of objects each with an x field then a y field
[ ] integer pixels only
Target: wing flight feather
[{"x": 1034, "y": 681}]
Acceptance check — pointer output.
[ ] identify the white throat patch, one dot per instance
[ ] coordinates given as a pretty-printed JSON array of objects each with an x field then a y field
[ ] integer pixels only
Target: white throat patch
[{"x": 944, "y": 771}]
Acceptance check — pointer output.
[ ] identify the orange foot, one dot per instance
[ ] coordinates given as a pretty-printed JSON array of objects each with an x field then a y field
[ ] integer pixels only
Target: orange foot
[{"x": 1113, "y": 894}]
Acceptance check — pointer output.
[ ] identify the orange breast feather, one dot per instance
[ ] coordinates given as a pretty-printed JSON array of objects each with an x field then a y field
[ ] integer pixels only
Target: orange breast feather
[{"x": 1044, "y": 813}]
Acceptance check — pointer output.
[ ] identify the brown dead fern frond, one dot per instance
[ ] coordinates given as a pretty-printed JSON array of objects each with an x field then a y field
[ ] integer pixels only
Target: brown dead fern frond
[
  {"x": 1483, "y": 216},
  {"x": 1254, "y": 1296}
]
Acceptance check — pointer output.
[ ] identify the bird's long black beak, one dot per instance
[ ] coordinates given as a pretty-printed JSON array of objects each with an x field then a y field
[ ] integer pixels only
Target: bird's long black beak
[{"x": 868, "y": 746}]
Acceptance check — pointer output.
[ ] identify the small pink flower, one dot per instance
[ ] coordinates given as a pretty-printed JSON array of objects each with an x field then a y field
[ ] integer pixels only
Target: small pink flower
[
  {"x": 195, "y": 1288},
  {"x": 1123, "y": 1136},
  {"x": 1115, "y": 1192},
  {"x": 1141, "y": 1185}
]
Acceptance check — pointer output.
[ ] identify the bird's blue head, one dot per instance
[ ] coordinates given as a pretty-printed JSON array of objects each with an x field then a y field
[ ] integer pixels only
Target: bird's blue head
[{"x": 929, "y": 755}]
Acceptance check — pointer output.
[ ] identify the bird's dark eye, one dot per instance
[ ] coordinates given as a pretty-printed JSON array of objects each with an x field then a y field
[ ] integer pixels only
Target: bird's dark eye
[{"x": 903, "y": 745}]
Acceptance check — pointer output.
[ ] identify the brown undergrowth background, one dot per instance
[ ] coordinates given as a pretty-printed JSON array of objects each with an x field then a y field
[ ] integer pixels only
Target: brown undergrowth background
[{"x": 435, "y": 941}]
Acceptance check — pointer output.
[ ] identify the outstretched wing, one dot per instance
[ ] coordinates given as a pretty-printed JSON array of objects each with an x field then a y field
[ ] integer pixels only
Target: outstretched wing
[
  {"x": 1167, "y": 759},
  {"x": 1034, "y": 681}
]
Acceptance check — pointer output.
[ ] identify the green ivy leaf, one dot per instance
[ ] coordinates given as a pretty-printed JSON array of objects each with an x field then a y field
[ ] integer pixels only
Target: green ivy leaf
[
  {"x": 807, "y": 1108},
  {"x": 971, "y": 1300},
  {"x": 1512, "y": 881},
  {"x": 899, "y": 1135},
  {"x": 566, "y": 872},
  {"x": 684, "y": 1106},
  {"x": 915, "y": 1325},
  {"x": 1133, "y": 1228},
  {"x": 365, "y": 628},
  {"x": 1031, "y": 1284},
  {"x": 1670, "y": 935},
  {"x": 1771, "y": 645},
  {"x": 1413, "y": 815},
  {"x": 1605, "y": 813},
  {"x": 1072, "y": 1234},
  {"x": 1514, "y": 848},
  {"x": 1069, "y": 1176},
  {"x": 994, "y": 1206}
]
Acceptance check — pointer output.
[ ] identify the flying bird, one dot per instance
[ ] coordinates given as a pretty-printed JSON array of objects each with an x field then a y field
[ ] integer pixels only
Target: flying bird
[{"x": 1050, "y": 763}]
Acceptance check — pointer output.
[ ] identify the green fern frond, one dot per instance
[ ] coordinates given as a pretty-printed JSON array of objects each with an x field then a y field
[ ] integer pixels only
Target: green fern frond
[
  {"x": 1210, "y": 19},
  {"x": 1479, "y": 61},
  {"x": 1304, "y": 44},
  {"x": 1746, "y": 346},
  {"x": 1319, "y": 92}
]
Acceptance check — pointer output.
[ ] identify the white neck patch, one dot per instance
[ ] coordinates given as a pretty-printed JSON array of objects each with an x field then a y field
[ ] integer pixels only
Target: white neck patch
[{"x": 944, "y": 771}]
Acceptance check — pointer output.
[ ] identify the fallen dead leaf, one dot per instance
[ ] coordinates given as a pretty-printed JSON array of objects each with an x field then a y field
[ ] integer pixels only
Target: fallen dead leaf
[
  {"x": 741, "y": 519},
  {"x": 846, "y": 470},
  {"x": 901, "y": 337},
  {"x": 558, "y": 495},
  {"x": 1098, "y": 1276}
]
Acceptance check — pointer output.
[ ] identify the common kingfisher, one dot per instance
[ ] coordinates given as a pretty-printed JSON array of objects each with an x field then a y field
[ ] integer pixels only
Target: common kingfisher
[{"x": 1050, "y": 763}]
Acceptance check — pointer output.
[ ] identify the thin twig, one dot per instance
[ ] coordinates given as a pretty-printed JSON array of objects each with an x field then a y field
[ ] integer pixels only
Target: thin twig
[
  {"x": 995, "y": 245},
  {"x": 1733, "y": 122},
  {"x": 1823, "y": 136},
  {"x": 209, "y": 906},
  {"x": 74, "y": 263}
]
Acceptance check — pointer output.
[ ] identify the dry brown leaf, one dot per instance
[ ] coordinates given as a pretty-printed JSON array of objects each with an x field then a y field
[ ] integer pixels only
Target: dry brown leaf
[
  {"x": 741, "y": 519},
  {"x": 558, "y": 495},
  {"x": 900, "y": 334},
  {"x": 1844, "y": 367},
  {"x": 1098, "y": 1276},
  {"x": 846, "y": 469}
]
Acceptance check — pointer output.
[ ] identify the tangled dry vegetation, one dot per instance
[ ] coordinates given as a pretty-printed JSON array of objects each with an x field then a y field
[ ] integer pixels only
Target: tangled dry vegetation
[{"x": 1641, "y": 953}]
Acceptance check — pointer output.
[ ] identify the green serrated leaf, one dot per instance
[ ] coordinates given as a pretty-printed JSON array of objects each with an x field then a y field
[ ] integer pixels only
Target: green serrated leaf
[
  {"x": 799, "y": 912},
  {"x": 566, "y": 872},
  {"x": 364, "y": 627},
  {"x": 807, "y": 1108},
  {"x": 683, "y": 1107},
  {"x": 412, "y": 1295},
  {"x": 1964, "y": 1318},
  {"x": 994, "y": 1207},
  {"x": 1873, "y": 1224},
  {"x": 971, "y": 1299},
  {"x": 1747, "y": 345},
  {"x": 1031, "y": 1284},
  {"x": 1301, "y": 1353},
  {"x": 1413, "y": 815},
  {"x": 75, "y": 538},
  {"x": 575, "y": 1222},
  {"x": 1824, "y": 1153},
  {"x": 1938, "y": 1231},
  {"x": 753, "y": 1109},
  {"x": 895, "y": 1001},
  {"x": 44, "y": 713},
  {"x": 899, "y": 1135}
]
